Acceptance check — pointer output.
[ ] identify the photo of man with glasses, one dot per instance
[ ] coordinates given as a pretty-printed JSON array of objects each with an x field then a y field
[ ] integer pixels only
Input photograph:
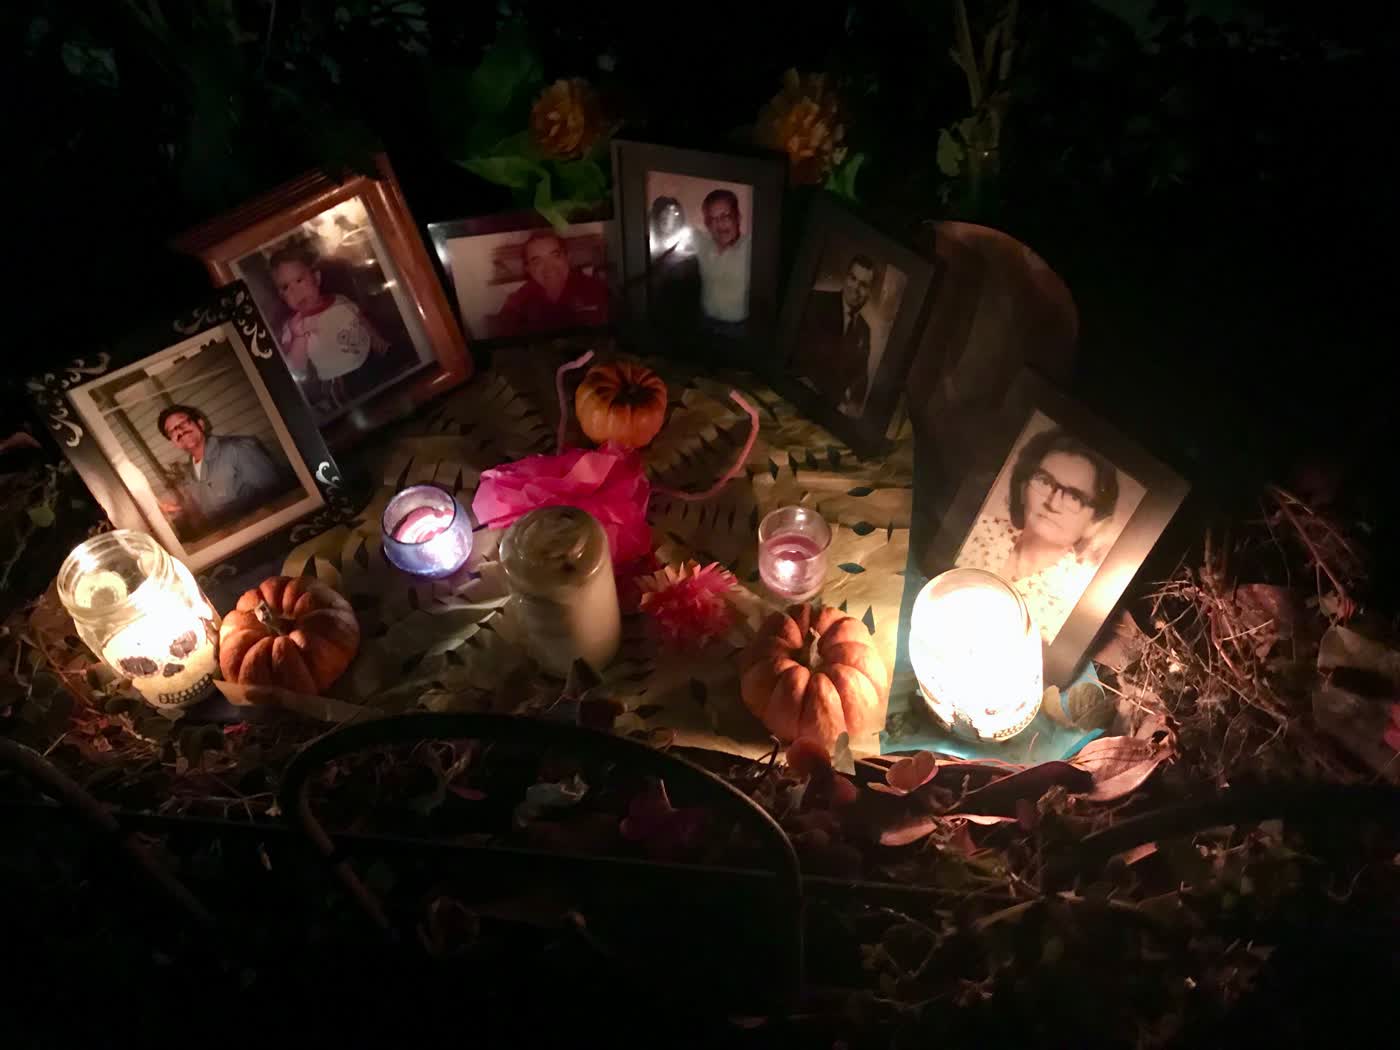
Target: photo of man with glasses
[{"x": 225, "y": 477}]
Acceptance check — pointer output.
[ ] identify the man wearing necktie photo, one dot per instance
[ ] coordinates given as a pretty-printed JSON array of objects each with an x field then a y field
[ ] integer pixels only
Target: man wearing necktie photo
[{"x": 835, "y": 341}]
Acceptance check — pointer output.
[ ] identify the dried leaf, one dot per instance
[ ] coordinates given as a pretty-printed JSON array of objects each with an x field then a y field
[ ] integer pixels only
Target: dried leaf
[
  {"x": 910, "y": 773},
  {"x": 806, "y": 757},
  {"x": 664, "y": 832},
  {"x": 986, "y": 820},
  {"x": 320, "y": 708},
  {"x": 1343, "y": 647},
  {"x": 540, "y": 798},
  {"x": 999, "y": 798},
  {"x": 1120, "y": 765},
  {"x": 909, "y": 832},
  {"x": 1122, "y": 645},
  {"x": 1267, "y": 613},
  {"x": 1139, "y": 852}
]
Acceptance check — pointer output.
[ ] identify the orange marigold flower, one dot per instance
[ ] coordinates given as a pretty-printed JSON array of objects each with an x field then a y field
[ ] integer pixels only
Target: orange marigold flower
[
  {"x": 566, "y": 119},
  {"x": 805, "y": 121}
]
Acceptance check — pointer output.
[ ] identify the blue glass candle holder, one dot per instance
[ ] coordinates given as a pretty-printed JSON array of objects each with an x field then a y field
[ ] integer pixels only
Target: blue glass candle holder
[{"x": 427, "y": 532}]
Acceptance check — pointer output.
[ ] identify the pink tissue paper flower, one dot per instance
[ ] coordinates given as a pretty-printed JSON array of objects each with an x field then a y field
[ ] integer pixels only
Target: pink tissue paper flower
[
  {"x": 688, "y": 604},
  {"x": 608, "y": 483},
  {"x": 1392, "y": 732}
]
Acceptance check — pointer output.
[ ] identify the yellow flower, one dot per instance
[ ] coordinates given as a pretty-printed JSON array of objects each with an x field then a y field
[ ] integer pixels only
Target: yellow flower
[
  {"x": 566, "y": 119},
  {"x": 805, "y": 121}
]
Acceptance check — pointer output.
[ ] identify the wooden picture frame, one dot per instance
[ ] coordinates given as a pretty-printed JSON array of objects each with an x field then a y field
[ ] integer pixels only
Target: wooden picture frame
[
  {"x": 219, "y": 360},
  {"x": 1146, "y": 494},
  {"x": 591, "y": 245},
  {"x": 880, "y": 339},
  {"x": 662, "y": 315},
  {"x": 424, "y": 341}
]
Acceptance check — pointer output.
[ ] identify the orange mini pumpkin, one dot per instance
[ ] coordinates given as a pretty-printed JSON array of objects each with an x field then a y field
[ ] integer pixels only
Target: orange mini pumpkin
[
  {"x": 289, "y": 632},
  {"x": 622, "y": 402},
  {"x": 815, "y": 673}
]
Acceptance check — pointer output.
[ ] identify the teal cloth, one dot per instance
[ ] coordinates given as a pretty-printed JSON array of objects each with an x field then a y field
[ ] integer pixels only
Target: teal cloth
[{"x": 910, "y": 727}]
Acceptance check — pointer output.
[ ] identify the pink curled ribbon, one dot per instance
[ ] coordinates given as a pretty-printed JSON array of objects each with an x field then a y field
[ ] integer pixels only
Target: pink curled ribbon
[{"x": 689, "y": 497}]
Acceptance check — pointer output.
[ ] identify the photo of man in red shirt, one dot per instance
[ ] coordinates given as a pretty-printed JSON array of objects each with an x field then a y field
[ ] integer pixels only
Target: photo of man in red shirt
[{"x": 555, "y": 296}]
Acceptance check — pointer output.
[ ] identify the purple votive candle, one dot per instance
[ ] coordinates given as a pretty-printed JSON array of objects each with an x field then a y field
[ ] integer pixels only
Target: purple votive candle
[
  {"x": 427, "y": 532},
  {"x": 792, "y": 544}
]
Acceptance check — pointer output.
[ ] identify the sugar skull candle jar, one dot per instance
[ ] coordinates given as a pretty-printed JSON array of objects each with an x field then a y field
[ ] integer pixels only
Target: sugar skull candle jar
[{"x": 141, "y": 612}]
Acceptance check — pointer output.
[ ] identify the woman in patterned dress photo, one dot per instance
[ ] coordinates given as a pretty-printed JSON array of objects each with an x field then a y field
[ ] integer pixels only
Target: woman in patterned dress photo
[{"x": 1050, "y": 520}]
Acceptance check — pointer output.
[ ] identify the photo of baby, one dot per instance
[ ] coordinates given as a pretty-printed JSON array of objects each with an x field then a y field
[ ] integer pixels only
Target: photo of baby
[{"x": 340, "y": 318}]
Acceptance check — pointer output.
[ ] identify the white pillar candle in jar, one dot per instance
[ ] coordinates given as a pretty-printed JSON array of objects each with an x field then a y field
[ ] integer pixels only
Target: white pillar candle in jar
[
  {"x": 976, "y": 654},
  {"x": 141, "y": 612},
  {"x": 560, "y": 573}
]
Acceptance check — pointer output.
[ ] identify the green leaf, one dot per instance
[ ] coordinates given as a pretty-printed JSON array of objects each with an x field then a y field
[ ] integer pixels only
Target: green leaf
[
  {"x": 582, "y": 180},
  {"x": 545, "y": 203},
  {"x": 515, "y": 172},
  {"x": 42, "y": 516},
  {"x": 842, "y": 180},
  {"x": 950, "y": 153},
  {"x": 509, "y": 70},
  {"x": 518, "y": 144}
]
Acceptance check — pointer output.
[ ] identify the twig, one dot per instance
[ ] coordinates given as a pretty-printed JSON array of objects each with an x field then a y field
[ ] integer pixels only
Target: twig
[{"x": 1283, "y": 500}]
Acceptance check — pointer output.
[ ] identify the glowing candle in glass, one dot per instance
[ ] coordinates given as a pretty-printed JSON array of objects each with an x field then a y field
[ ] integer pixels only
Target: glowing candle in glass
[
  {"x": 792, "y": 545},
  {"x": 427, "y": 531},
  {"x": 141, "y": 612},
  {"x": 976, "y": 654}
]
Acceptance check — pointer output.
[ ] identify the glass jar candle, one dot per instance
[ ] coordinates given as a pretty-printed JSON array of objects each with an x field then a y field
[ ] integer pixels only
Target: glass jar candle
[
  {"x": 426, "y": 531},
  {"x": 976, "y": 654},
  {"x": 140, "y": 611},
  {"x": 792, "y": 545},
  {"x": 560, "y": 573}
]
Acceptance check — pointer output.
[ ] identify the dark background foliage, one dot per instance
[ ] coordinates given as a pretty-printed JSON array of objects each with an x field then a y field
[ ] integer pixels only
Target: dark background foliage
[{"x": 1208, "y": 176}]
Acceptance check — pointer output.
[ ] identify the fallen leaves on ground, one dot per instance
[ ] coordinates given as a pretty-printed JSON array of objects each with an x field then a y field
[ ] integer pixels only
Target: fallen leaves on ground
[{"x": 1119, "y": 765}]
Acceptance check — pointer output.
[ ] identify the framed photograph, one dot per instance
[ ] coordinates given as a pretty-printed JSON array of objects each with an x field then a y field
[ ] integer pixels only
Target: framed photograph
[
  {"x": 348, "y": 290},
  {"x": 516, "y": 277},
  {"x": 850, "y": 325},
  {"x": 1065, "y": 508},
  {"x": 698, "y": 235},
  {"x": 194, "y": 432}
]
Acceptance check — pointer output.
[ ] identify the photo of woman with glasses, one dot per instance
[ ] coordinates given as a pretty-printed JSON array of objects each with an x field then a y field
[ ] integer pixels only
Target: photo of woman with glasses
[{"x": 1050, "y": 520}]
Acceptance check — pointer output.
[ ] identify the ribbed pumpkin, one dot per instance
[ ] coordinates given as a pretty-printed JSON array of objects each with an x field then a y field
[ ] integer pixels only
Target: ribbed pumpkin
[
  {"x": 622, "y": 402},
  {"x": 290, "y": 632},
  {"x": 815, "y": 673}
]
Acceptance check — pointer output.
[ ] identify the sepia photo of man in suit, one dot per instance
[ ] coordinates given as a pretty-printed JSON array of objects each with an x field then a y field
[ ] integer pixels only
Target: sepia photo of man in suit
[{"x": 834, "y": 350}]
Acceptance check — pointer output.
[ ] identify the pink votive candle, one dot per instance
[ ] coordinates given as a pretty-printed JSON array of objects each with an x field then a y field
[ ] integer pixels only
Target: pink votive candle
[
  {"x": 792, "y": 545},
  {"x": 427, "y": 531}
]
